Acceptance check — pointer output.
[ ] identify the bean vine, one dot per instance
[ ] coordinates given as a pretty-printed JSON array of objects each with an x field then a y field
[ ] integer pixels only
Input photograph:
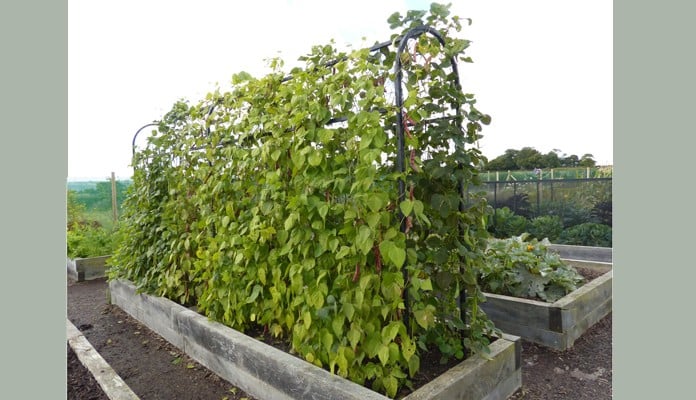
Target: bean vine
[{"x": 275, "y": 205}]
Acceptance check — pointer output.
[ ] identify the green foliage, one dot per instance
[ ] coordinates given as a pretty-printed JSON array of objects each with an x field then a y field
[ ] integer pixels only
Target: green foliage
[
  {"x": 602, "y": 212},
  {"x": 518, "y": 203},
  {"x": 85, "y": 238},
  {"x": 526, "y": 268},
  {"x": 549, "y": 208},
  {"x": 90, "y": 241},
  {"x": 570, "y": 227},
  {"x": 75, "y": 210},
  {"x": 504, "y": 223},
  {"x": 587, "y": 234},
  {"x": 96, "y": 196},
  {"x": 568, "y": 211},
  {"x": 529, "y": 158},
  {"x": 587, "y": 160},
  {"x": 550, "y": 160},
  {"x": 263, "y": 213},
  {"x": 580, "y": 203},
  {"x": 546, "y": 226}
]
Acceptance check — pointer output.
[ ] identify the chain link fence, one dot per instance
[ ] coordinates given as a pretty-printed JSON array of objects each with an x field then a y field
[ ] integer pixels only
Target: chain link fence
[{"x": 549, "y": 197}]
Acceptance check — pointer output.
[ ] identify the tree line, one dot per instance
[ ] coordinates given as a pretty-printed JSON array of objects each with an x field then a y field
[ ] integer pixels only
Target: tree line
[{"x": 530, "y": 158}]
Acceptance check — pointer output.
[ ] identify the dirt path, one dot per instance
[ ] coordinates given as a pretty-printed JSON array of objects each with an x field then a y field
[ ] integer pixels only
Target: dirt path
[{"x": 154, "y": 369}]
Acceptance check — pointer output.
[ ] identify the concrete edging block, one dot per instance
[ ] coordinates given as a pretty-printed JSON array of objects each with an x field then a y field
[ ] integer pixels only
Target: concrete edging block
[
  {"x": 160, "y": 314},
  {"x": 556, "y": 325},
  {"x": 85, "y": 269},
  {"x": 269, "y": 373}
]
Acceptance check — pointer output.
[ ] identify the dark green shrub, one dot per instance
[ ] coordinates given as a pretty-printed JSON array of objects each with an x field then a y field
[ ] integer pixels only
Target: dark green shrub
[
  {"x": 587, "y": 234},
  {"x": 505, "y": 223},
  {"x": 546, "y": 226},
  {"x": 602, "y": 212},
  {"x": 569, "y": 212}
]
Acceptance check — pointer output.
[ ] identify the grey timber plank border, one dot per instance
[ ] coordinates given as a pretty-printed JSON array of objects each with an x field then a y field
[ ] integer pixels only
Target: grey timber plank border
[
  {"x": 268, "y": 373},
  {"x": 111, "y": 383}
]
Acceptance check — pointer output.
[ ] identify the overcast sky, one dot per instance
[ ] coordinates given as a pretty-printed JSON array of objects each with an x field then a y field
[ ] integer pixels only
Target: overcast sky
[{"x": 542, "y": 68}]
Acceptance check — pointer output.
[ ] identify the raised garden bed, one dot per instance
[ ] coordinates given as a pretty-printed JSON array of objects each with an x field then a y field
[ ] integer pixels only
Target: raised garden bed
[
  {"x": 266, "y": 372},
  {"x": 556, "y": 325},
  {"x": 84, "y": 269}
]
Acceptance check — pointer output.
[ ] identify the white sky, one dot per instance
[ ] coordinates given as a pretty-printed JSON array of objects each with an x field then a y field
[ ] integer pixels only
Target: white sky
[{"x": 542, "y": 68}]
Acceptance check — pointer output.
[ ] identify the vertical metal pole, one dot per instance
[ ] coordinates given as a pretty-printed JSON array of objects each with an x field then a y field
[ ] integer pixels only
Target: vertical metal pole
[
  {"x": 495, "y": 206},
  {"x": 538, "y": 196},
  {"x": 400, "y": 162},
  {"x": 399, "y": 100},
  {"x": 413, "y": 33}
]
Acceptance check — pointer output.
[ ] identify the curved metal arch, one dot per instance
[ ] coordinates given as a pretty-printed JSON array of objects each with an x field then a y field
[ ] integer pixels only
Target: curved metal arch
[{"x": 154, "y": 123}]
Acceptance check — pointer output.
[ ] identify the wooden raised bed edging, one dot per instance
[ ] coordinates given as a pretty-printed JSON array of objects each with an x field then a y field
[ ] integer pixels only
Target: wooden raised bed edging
[
  {"x": 556, "y": 325},
  {"x": 84, "y": 269},
  {"x": 584, "y": 253},
  {"x": 268, "y": 373}
]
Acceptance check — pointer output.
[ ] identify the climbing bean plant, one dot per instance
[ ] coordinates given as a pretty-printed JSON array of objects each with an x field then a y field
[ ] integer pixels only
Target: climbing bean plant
[{"x": 275, "y": 205}]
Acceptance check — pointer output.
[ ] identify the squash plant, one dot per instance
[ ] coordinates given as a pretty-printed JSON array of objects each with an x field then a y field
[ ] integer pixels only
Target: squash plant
[
  {"x": 275, "y": 204},
  {"x": 526, "y": 267}
]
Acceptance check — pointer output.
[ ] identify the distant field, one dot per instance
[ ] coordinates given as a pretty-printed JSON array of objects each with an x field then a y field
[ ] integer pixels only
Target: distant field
[{"x": 79, "y": 186}]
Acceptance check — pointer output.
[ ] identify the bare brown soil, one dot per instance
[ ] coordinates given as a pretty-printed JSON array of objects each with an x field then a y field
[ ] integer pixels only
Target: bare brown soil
[
  {"x": 154, "y": 369},
  {"x": 81, "y": 384}
]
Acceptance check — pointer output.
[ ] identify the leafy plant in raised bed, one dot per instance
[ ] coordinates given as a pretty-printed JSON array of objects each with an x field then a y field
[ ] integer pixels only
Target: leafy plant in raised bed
[
  {"x": 526, "y": 268},
  {"x": 276, "y": 205}
]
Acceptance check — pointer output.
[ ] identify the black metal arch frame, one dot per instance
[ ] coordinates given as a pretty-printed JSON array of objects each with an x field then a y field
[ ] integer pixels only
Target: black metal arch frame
[{"x": 154, "y": 123}]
